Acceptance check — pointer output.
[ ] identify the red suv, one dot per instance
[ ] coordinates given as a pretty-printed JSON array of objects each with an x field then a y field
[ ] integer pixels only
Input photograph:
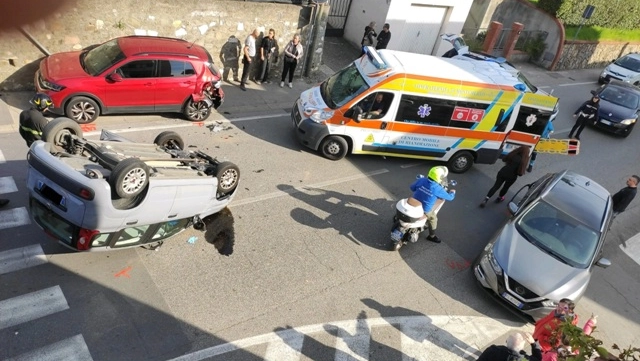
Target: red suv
[{"x": 132, "y": 74}]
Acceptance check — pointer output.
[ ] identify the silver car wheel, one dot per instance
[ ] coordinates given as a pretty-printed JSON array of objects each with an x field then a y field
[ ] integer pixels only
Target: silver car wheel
[
  {"x": 83, "y": 111},
  {"x": 228, "y": 178},
  {"x": 197, "y": 111},
  {"x": 134, "y": 180}
]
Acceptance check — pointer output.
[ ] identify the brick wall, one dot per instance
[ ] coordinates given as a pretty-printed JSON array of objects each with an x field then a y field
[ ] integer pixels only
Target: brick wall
[{"x": 86, "y": 22}]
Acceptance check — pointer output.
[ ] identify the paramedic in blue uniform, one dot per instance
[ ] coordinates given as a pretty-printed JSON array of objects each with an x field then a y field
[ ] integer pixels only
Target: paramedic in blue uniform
[{"x": 428, "y": 191}]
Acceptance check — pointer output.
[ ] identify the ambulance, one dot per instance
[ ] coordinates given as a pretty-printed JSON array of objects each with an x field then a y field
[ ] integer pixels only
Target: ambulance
[{"x": 401, "y": 104}]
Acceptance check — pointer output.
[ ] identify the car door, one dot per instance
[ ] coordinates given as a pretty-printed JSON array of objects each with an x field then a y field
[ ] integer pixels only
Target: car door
[
  {"x": 131, "y": 87},
  {"x": 369, "y": 136},
  {"x": 176, "y": 82}
]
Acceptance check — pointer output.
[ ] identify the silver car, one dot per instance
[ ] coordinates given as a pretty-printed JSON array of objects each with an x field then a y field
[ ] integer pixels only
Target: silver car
[{"x": 547, "y": 250}]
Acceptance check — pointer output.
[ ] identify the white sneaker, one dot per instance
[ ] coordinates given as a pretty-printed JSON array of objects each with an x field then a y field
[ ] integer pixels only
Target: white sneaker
[
  {"x": 281, "y": 84},
  {"x": 290, "y": 85}
]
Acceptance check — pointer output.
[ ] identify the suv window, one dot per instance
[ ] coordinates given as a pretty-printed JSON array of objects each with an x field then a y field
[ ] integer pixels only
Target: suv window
[
  {"x": 175, "y": 68},
  {"x": 138, "y": 69},
  {"x": 130, "y": 236}
]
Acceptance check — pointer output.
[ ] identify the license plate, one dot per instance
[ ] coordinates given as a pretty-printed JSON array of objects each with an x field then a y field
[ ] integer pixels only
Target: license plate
[
  {"x": 605, "y": 122},
  {"x": 512, "y": 299},
  {"x": 396, "y": 235}
]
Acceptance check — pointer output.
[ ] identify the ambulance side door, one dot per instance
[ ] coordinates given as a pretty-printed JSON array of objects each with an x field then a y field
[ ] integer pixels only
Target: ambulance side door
[{"x": 369, "y": 134}]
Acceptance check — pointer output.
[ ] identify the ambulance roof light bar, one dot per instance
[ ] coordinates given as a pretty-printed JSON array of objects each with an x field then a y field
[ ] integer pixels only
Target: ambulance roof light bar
[{"x": 374, "y": 58}]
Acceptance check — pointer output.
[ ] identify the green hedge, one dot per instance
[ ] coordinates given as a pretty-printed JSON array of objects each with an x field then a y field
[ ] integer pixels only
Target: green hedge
[{"x": 620, "y": 14}]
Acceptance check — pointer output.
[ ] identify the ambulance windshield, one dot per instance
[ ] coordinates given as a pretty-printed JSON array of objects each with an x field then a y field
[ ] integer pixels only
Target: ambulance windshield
[{"x": 343, "y": 86}]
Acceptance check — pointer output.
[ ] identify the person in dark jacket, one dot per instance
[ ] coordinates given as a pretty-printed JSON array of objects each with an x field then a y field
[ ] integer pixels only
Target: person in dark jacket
[
  {"x": 267, "y": 49},
  {"x": 624, "y": 196},
  {"x": 516, "y": 163},
  {"x": 369, "y": 35},
  {"x": 588, "y": 112},
  {"x": 428, "y": 191},
  {"x": 513, "y": 351},
  {"x": 383, "y": 38},
  {"x": 32, "y": 121}
]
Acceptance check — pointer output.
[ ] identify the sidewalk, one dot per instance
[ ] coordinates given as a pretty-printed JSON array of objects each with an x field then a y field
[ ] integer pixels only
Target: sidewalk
[{"x": 337, "y": 53}]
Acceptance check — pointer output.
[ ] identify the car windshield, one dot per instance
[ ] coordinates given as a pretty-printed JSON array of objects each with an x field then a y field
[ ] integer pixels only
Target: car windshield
[
  {"x": 630, "y": 63},
  {"x": 343, "y": 86},
  {"x": 101, "y": 58},
  {"x": 559, "y": 235},
  {"x": 620, "y": 97}
]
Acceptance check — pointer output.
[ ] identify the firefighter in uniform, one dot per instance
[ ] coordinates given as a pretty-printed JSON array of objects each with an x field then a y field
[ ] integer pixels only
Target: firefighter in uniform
[{"x": 32, "y": 121}]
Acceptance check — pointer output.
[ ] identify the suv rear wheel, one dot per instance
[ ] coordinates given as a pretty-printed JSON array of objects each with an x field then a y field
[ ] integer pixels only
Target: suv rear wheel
[
  {"x": 196, "y": 111},
  {"x": 58, "y": 133},
  {"x": 228, "y": 175},
  {"x": 129, "y": 177},
  {"x": 82, "y": 109}
]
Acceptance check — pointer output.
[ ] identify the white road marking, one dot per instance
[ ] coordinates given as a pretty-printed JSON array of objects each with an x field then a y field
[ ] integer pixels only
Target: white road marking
[
  {"x": 287, "y": 348},
  {"x": 410, "y": 165},
  {"x": 21, "y": 258},
  {"x": 632, "y": 248},
  {"x": 186, "y": 124},
  {"x": 452, "y": 332},
  {"x": 572, "y": 84},
  {"x": 353, "y": 341},
  {"x": 2, "y": 159},
  {"x": 32, "y": 306},
  {"x": 7, "y": 185},
  {"x": 293, "y": 190},
  {"x": 71, "y": 349},
  {"x": 14, "y": 217}
]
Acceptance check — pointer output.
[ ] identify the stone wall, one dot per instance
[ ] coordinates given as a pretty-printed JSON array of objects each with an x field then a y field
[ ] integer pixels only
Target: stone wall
[
  {"x": 583, "y": 54},
  {"x": 86, "y": 22}
]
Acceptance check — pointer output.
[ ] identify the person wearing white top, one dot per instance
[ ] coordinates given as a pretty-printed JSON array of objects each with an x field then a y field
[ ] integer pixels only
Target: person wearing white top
[
  {"x": 249, "y": 53},
  {"x": 292, "y": 53}
]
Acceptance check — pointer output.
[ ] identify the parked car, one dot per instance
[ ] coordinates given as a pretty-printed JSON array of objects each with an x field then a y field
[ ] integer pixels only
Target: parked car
[
  {"x": 619, "y": 107},
  {"x": 625, "y": 68},
  {"x": 113, "y": 193},
  {"x": 549, "y": 247},
  {"x": 132, "y": 74},
  {"x": 461, "y": 50}
]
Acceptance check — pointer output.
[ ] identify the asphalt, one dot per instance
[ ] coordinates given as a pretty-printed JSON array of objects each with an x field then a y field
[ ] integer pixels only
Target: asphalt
[{"x": 260, "y": 99}]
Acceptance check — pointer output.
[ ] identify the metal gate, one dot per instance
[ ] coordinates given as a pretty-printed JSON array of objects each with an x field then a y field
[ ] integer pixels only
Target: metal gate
[{"x": 338, "y": 13}]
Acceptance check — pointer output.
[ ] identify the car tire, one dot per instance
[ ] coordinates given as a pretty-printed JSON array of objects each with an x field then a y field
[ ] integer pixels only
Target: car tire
[
  {"x": 82, "y": 110},
  {"x": 58, "y": 133},
  {"x": 196, "y": 111},
  {"x": 460, "y": 162},
  {"x": 228, "y": 175},
  {"x": 129, "y": 178},
  {"x": 334, "y": 147},
  {"x": 169, "y": 140}
]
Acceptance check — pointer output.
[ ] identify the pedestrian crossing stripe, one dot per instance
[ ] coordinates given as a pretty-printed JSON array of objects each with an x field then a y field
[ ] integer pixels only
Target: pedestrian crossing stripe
[
  {"x": 70, "y": 349},
  {"x": 422, "y": 338},
  {"x": 15, "y": 217},
  {"x": 7, "y": 185},
  {"x": 21, "y": 258},
  {"x": 32, "y": 306},
  {"x": 369, "y": 139}
]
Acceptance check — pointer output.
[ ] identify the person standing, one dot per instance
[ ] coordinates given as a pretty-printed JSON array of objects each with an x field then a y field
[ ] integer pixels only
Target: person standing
[
  {"x": 513, "y": 351},
  {"x": 369, "y": 35},
  {"x": 547, "y": 326},
  {"x": 292, "y": 53},
  {"x": 267, "y": 48},
  {"x": 517, "y": 161},
  {"x": 383, "y": 38},
  {"x": 624, "y": 196},
  {"x": 248, "y": 55},
  {"x": 588, "y": 111},
  {"x": 229, "y": 55},
  {"x": 33, "y": 121}
]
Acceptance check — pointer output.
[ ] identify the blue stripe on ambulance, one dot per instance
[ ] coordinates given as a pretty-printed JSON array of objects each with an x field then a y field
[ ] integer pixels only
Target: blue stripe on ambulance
[
  {"x": 407, "y": 147},
  {"x": 486, "y": 111},
  {"x": 508, "y": 112}
]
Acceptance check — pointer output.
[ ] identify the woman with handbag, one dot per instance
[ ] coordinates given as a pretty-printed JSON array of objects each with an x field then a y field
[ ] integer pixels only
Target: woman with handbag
[{"x": 292, "y": 53}]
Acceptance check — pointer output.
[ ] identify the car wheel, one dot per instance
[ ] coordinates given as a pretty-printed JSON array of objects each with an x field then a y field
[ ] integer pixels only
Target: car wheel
[
  {"x": 129, "y": 177},
  {"x": 58, "y": 133},
  {"x": 460, "y": 162},
  {"x": 228, "y": 175},
  {"x": 169, "y": 140},
  {"x": 334, "y": 147},
  {"x": 82, "y": 109},
  {"x": 196, "y": 111}
]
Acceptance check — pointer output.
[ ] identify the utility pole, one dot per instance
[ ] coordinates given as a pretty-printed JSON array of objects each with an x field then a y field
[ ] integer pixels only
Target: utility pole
[{"x": 316, "y": 38}]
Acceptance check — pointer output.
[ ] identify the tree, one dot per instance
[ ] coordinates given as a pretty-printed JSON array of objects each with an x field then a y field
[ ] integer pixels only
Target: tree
[{"x": 589, "y": 347}]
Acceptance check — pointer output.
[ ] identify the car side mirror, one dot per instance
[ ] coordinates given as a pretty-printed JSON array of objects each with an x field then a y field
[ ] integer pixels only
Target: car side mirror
[
  {"x": 603, "y": 262},
  {"x": 115, "y": 77},
  {"x": 513, "y": 208},
  {"x": 356, "y": 115}
]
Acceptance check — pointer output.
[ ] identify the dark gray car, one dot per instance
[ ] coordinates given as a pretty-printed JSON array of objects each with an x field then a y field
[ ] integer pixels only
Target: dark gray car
[{"x": 547, "y": 250}]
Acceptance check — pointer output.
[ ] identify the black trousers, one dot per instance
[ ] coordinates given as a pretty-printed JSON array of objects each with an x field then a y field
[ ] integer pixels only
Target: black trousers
[
  {"x": 266, "y": 64},
  {"x": 500, "y": 180},
  {"x": 246, "y": 69},
  {"x": 289, "y": 68},
  {"x": 579, "y": 126}
]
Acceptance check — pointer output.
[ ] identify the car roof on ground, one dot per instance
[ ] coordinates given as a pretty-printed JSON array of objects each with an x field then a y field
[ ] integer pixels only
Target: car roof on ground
[
  {"x": 580, "y": 198},
  {"x": 132, "y": 45}
]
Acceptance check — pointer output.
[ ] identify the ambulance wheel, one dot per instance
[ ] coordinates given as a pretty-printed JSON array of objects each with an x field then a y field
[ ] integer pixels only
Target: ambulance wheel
[
  {"x": 334, "y": 147},
  {"x": 460, "y": 162}
]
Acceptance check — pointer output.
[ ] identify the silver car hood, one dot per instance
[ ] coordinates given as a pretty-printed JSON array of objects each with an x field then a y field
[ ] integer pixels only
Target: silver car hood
[{"x": 535, "y": 269}]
